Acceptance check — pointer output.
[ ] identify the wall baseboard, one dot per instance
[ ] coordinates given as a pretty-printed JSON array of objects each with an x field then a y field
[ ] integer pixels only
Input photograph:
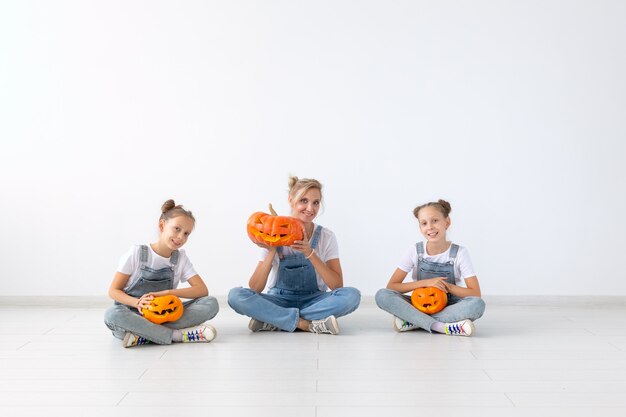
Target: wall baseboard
[{"x": 504, "y": 300}]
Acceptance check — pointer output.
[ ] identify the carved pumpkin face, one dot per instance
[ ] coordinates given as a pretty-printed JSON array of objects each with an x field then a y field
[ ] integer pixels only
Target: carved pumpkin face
[
  {"x": 429, "y": 300},
  {"x": 162, "y": 309},
  {"x": 274, "y": 230}
]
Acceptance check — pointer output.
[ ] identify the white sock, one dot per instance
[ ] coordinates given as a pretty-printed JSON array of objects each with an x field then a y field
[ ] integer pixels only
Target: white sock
[
  {"x": 177, "y": 336},
  {"x": 438, "y": 327}
]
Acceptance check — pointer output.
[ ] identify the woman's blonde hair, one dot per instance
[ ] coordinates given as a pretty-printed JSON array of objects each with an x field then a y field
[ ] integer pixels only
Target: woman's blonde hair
[{"x": 298, "y": 187}]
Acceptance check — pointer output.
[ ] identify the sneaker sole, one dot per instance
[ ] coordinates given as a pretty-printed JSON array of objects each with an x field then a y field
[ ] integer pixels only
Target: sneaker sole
[
  {"x": 213, "y": 333},
  {"x": 126, "y": 342},
  {"x": 472, "y": 328},
  {"x": 395, "y": 326},
  {"x": 400, "y": 330},
  {"x": 255, "y": 327},
  {"x": 252, "y": 325},
  {"x": 127, "y": 336},
  {"x": 334, "y": 324}
]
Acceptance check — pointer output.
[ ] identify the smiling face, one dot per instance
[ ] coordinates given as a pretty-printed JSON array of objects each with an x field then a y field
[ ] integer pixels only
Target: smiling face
[
  {"x": 175, "y": 231},
  {"x": 306, "y": 206},
  {"x": 433, "y": 224}
]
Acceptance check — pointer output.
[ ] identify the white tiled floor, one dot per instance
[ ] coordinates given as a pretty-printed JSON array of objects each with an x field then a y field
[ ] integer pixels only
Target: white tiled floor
[{"x": 526, "y": 360}]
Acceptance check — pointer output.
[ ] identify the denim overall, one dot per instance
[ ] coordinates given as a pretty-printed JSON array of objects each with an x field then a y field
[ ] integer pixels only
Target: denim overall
[
  {"x": 296, "y": 274},
  {"x": 428, "y": 269},
  {"x": 457, "y": 309},
  {"x": 153, "y": 280},
  {"x": 295, "y": 294},
  {"x": 121, "y": 318}
]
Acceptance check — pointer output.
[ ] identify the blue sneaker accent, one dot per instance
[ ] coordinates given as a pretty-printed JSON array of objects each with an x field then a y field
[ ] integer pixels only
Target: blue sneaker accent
[
  {"x": 202, "y": 333},
  {"x": 402, "y": 325},
  {"x": 460, "y": 328},
  {"x": 131, "y": 340}
]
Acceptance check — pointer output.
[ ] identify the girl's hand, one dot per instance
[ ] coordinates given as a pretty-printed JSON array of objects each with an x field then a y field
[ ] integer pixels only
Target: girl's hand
[
  {"x": 439, "y": 282},
  {"x": 158, "y": 293},
  {"x": 144, "y": 302}
]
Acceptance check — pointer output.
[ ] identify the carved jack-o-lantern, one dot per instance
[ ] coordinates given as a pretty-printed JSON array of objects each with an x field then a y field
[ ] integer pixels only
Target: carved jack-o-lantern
[
  {"x": 273, "y": 230},
  {"x": 429, "y": 300},
  {"x": 164, "y": 308}
]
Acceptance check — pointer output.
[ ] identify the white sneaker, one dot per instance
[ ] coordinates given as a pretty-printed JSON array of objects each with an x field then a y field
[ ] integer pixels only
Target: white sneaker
[
  {"x": 131, "y": 340},
  {"x": 402, "y": 325},
  {"x": 202, "y": 333},
  {"x": 260, "y": 326},
  {"x": 460, "y": 328},
  {"x": 327, "y": 326}
]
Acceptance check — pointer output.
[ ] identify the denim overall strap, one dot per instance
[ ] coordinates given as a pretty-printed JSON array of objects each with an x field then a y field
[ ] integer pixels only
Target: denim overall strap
[
  {"x": 143, "y": 257},
  {"x": 144, "y": 254},
  {"x": 454, "y": 250},
  {"x": 425, "y": 269},
  {"x": 174, "y": 258},
  {"x": 316, "y": 237},
  {"x": 296, "y": 274},
  {"x": 153, "y": 280},
  {"x": 420, "y": 250}
]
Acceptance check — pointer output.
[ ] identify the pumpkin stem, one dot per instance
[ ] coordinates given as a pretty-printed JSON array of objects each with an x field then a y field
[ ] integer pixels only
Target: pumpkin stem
[{"x": 272, "y": 211}]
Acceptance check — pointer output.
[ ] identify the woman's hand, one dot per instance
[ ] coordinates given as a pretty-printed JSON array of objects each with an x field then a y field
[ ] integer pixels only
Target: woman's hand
[
  {"x": 303, "y": 246},
  {"x": 264, "y": 246}
]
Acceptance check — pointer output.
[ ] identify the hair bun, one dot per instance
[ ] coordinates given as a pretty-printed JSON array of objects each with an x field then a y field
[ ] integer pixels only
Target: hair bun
[
  {"x": 446, "y": 206},
  {"x": 170, "y": 209},
  {"x": 167, "y": 206},
  {"x": 293, "y": 180},
  {"x": 442, "y": 205}
]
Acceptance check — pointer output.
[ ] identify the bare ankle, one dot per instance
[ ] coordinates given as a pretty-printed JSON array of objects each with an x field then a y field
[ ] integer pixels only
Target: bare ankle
[{"x": 304, "y": 325}]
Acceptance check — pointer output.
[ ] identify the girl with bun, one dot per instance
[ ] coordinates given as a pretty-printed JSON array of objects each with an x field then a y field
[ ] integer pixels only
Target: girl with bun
[
  {"x": 438, "y": 263},
  {"x": 148, "y": 271},
  {"x": 299, "y": 276}
]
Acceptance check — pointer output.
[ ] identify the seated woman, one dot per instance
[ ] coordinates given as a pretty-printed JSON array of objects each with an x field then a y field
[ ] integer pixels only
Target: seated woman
[{"x": 298, "y": 276}]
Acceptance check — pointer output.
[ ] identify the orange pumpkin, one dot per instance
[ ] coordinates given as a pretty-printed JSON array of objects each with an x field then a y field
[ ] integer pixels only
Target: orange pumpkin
[
  {"x": 273, "y": 230},
  {"x": 164, "y": 308},
  {"x": 429, "y": 300}
]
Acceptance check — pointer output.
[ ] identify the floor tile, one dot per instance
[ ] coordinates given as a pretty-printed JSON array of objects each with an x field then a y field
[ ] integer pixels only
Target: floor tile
[{"x": 559, "y": 360}]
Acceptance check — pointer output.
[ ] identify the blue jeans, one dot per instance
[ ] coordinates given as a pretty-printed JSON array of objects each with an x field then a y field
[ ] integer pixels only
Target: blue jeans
[
  {"x": 121, "y": 319},
  {"x": 399, "y": 305},
  {"x": 283, "y": 308}
]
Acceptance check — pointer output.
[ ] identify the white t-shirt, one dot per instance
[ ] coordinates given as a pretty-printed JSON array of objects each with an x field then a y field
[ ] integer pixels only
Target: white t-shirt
[
  {"x": 326, "y": 250},
  {"x": 462, "y": 265},
  {"x": 130, "y": 264}
]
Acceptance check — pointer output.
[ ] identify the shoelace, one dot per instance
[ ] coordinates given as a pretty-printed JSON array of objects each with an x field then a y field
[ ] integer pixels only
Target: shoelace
[
  {"x": 454, "y": 329},
  {"x": 140, "y": 341},
  {"x": 319, "y": 327},
  {"x": 406, "y": 324},
  {"x": 195, "y": 335}
]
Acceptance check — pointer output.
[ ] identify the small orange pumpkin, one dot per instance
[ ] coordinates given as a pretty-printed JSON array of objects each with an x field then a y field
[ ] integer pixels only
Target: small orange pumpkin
[
  {"x": 164, "y": 308},
  {"x": 429, "y": 300},
  {"x": 274, "y": 230}
]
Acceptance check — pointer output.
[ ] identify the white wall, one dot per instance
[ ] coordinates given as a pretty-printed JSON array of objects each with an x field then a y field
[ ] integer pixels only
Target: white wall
[{"x": 512, "y": 110}]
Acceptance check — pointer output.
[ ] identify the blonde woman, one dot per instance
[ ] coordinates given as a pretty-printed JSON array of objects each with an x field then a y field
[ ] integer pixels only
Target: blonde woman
[{"x": 304, "y": 280}]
